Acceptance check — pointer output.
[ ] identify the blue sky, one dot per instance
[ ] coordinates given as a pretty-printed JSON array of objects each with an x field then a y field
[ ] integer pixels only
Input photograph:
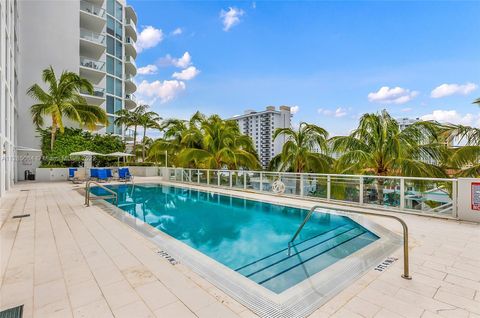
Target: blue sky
[{"x": 333, "y": 60}]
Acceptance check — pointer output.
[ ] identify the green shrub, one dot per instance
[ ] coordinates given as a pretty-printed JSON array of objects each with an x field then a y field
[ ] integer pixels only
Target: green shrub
[{"x": 73, "y": 140}]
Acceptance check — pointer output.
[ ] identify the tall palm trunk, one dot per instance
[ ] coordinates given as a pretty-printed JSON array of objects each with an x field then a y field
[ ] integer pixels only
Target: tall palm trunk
[
  {"x": 135, "y": 142},
  {"x": 380, "y": 184},
  {"x": 53, "y": 132},
  {"x": 143, "y": 142}
]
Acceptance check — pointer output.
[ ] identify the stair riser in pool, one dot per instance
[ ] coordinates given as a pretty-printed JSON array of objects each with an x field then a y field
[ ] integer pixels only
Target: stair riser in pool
[
  {"x": 303, "y": 246},
  {"x": 277, "y": 268}
]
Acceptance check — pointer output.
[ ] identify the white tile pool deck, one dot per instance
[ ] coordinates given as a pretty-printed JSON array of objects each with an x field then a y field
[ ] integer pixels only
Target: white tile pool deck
[{"x": 66, "y": 260}]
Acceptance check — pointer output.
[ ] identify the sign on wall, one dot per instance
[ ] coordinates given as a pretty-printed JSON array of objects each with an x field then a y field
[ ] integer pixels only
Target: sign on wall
[{"x": 475, "y": 196}]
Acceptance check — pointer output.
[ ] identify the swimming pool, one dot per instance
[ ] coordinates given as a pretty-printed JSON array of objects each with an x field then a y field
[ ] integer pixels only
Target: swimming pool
[{"x": 248, "y": 237}]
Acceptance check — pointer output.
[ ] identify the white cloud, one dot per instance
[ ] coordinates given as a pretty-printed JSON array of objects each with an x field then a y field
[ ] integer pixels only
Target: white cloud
[
  {"x": 339, "y": 112},
  {"x": 177, "y": 31},
  {"x": 181, "y": 62},
  {"x": 231, "y": 17},
  {"x": 165, "y": 90},
  {"x": 186, "y": 74},
  {"x": 453, "y": 89},
  {"x": 147, "y": 70},
  {"x": 294, "y": 109},
  {"x": 394, "y": 95},
  {"x": 453, "y": 117},
  {"x": 148, "y": 38}
]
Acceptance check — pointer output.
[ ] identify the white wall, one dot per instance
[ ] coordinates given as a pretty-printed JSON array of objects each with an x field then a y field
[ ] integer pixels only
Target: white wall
[
  {"x": 465, "y": 211},
  {"x": 49, "y": 35}
]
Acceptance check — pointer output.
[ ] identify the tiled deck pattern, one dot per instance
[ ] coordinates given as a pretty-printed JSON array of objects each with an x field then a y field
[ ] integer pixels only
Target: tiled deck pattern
[{"x": 67, "y": 260}]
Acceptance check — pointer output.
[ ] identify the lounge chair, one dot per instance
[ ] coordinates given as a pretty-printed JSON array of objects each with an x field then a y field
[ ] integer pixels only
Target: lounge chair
[
  {"x": 102, "y": 175},
  {"x": 94, "y": 173},
  {"x": 71, "y": 173},
  {"x": 124, "y": 174},
  {"x": 79, "y": 176}
]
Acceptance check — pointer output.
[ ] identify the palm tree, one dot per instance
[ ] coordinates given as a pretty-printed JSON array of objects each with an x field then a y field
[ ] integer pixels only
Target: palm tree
[
  {"x": 148, "y": 120},
  {"x": 305, "y": 150},
  {"x": 477, "y": 101},
  {"x": 205, "y": 143},
  {"x": 378, "y": 146},
  {"x": 63, "y": 100},
  {"x": 131, "y": 118}
]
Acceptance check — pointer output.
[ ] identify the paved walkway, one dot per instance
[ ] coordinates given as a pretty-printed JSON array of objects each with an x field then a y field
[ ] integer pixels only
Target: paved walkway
[{"x": 66, "y": 260}]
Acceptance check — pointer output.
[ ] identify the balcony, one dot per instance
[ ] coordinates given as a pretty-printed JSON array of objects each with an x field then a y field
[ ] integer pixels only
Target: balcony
[
  {"x": 131, "y": 14},
  {"x": 91, "y": 69},
  {"x": 130, "y": 47},
  {"x": 130, "y": 86},
  {"x": 130, "y": 66},
  {"x": 97, "y": 98},
  {"x": 91, "y": 43},
  {"x": 91, "y": 16},
  {"x": 130, "y": 101},
  {"x": 131, "y": 29}
]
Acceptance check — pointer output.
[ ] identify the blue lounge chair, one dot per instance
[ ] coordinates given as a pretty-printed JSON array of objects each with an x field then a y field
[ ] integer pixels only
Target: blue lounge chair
[
  {"x": 94, "y": 173},
  {"x": 124, "y": 174},
  {"x": 102, "y": 175},
  {"x": 71, "y": 173},
  {"x": 109, "y": 173}
]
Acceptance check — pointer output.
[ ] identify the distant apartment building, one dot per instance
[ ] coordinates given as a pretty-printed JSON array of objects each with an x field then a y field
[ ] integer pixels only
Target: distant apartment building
[
  {"x": 261, "y": 125},
  {"x": 94, "y": 38},
  {"x": 405, "y": 122},
  {"x": 8, "y": 91}
]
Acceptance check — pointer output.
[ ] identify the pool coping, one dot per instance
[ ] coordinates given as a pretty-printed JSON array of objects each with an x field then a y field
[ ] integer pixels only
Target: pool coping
[{"x": 298, "y": 301}]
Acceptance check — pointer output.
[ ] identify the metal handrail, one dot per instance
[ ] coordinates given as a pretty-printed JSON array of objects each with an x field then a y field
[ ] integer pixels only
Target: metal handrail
[
  {"x": 406, "y": 270},
  {"x": 87, "y": 192}
]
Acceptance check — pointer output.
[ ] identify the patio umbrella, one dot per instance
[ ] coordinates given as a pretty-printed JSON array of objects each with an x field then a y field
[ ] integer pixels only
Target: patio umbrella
[
  {"x": 118, "y": 155},
  {"x": 87, "y": 164}
]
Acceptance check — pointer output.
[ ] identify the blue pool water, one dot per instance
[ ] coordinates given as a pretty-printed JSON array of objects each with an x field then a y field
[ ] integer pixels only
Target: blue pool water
[{"x": 248, "y": 236}]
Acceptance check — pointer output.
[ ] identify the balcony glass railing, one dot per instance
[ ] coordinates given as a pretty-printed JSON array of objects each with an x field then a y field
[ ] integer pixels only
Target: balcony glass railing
[
  {"x": 97, "y": 92},
  {"x": 129, "y": 40},
  {"x": 93, "y": 64},
  {"x": 92, "y": 9},
  {"x": 130, "y": 60},
  {"x": 130, "y": 23},
  {"x": 131, "y": 97},
  {"x": 128, "y": 78},
  {"x": 92, "y": 36}
]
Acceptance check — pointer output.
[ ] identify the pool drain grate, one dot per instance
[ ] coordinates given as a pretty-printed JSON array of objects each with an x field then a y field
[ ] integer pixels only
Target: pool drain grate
[{"x": 15, "y": 312}]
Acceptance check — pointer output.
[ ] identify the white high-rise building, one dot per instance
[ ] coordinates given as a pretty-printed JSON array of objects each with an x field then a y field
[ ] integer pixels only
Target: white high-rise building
[
  {"x": 405, "y": 122},
  {"x": 8, "y": 91},
  {"x": 260, "y": 126},
  {"x": 93, "y": 38}
]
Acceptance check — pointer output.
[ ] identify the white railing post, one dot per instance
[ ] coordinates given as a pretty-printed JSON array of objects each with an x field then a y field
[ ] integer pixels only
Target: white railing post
[
  {"x": 329, "y": 188},
  {"x": 230, "y": 177},
  {"x": 244, "y": 180},
  {"x": 219, "y": 173},
  {"x": 198, "y": 175},
  {"x": 454, "y": 198},
  {"x": 360, "y": 197},
  {"x": 208, "y": 176},
  {"x": 181, "y": 174},
  {"x": 190, "y": 175},
  {"x": 301, "y": 184},
  {"x": 402, "y": 194},
  {"x": 261, "y": 181}
]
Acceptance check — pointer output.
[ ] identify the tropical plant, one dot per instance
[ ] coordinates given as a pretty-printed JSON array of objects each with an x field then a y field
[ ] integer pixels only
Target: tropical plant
[
  {"x": 304, "y": 150},
  {"x": 129, "y": 119},
  {"x": 73, "y": 140},
  {"x": 205, "y": 142},
  {"x": 63, "y": 99},
  {"x": 148, "y": 120},
  {"x": 378, "y": 146}
]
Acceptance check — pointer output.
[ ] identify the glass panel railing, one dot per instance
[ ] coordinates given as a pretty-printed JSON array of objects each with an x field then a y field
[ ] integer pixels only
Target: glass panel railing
[
  {"x": 92, "y": 9},
  {"x": 129, "y": 40},
  {"x": 131, "y": 97},
  {"x": 131, "y": 24},
  {"x": 345, "y": 188},
  {"x": 92, "y": 36},
  {"x": 430, "y": 196},
  {"x": 93, "y": 64},
  {"x": 130, "y": 60},
  {"x": 315, "y": 186},
  {"x": 97, "y": 92}
]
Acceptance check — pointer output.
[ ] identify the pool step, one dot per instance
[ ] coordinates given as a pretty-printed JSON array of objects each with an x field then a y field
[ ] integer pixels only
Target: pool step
[
  {"x": 299, "y": 247},
  {"x": 278, "y": 273}
]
